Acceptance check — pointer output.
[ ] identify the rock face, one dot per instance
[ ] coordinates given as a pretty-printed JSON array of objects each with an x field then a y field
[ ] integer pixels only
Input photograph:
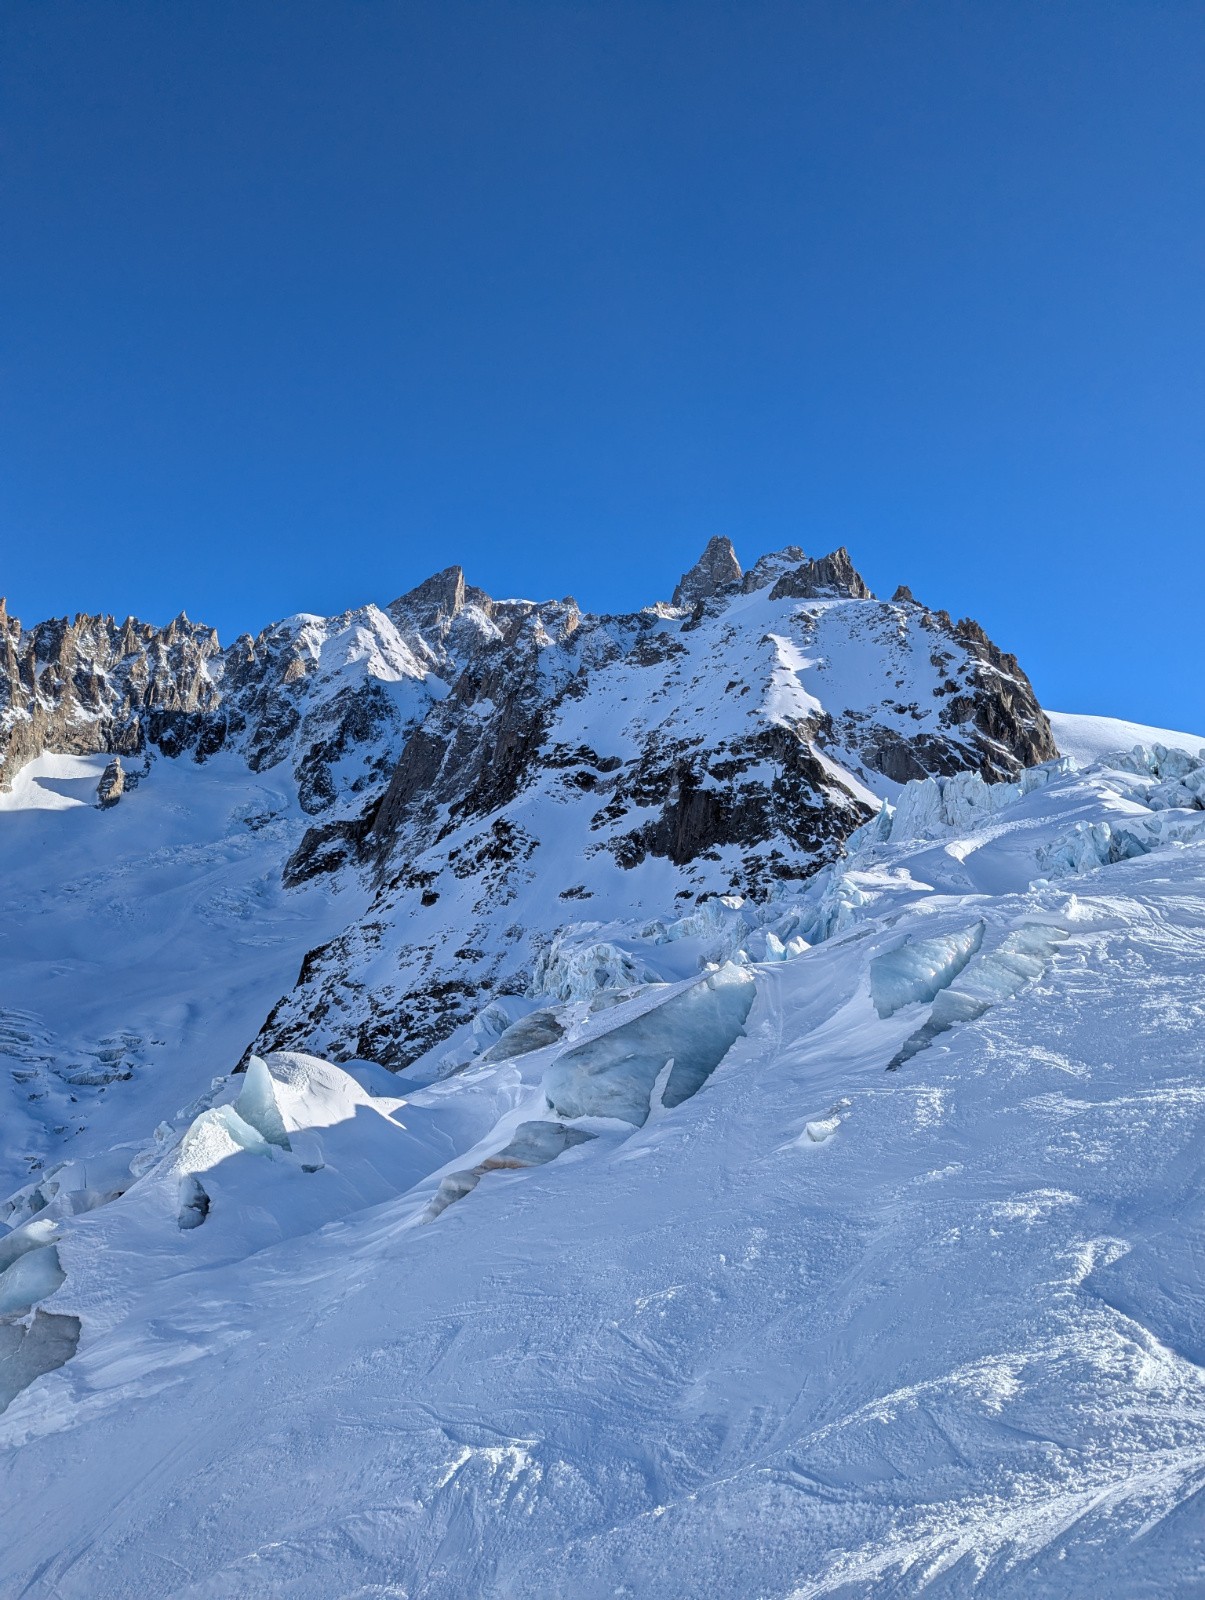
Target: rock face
[
  {"x": 330, "y": 698},
  {"x": 494, "y": 770},
  {"x": 578, "y": 759},
  {"x": 92, "y": 685},
  {"x": 716, "y": 569},
  {"x": 832, "y": 576}
]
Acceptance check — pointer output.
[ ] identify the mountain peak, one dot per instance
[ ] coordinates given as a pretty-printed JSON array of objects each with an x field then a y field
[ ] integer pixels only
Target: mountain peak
[
  {"x": 715, "y": 570},
  {"x": 442, "y": 591},
  {"x": 832, "y": 575}
]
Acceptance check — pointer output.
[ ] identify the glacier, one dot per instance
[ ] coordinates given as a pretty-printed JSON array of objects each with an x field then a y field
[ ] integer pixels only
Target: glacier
[{"x": 839, "y": 1238}]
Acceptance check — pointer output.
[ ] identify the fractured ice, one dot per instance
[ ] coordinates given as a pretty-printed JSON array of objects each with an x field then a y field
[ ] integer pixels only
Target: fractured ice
[
  {"x": 27, "y": 1350},
  {"x": 528, "y": 1033},
  {"x": 920, "y": 968},
  {"x": 257, "y": 1104},
  {"x": 532, "y": 1145},
  {"x": 33, "y": 1276},
  {"x": 1021, "y": 958},
  {"x": 611, "y": 1072},
  {"x": 570, "y": 970}
]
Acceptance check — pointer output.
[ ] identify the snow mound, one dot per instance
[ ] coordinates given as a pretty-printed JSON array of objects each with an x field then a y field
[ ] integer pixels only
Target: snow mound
[
  {"x": 611, "y": 1073},
  {"x": 1091, "y": 739}
]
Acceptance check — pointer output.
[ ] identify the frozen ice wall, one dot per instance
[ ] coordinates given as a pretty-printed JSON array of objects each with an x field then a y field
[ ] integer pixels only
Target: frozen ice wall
[{"x": 612, "y": 1073}]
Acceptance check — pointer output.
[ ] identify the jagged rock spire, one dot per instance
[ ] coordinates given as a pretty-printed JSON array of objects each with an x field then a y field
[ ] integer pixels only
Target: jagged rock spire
[
  {"x": 716, "y": 569},
  {"x": 442, "y": 592},
  {"x": 831, "y": 575}
]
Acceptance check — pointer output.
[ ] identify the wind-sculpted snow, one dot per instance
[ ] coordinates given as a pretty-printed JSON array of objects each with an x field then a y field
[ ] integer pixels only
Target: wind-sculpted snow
[
  {"x": 553, "y": 1323},
  {"x": 1092, "y": 739},
  {"x": 792, "y": 1186}
]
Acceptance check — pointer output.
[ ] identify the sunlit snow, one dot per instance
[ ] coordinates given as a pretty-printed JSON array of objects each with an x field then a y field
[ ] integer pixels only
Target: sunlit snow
[{"x": 841, "y": 1243}]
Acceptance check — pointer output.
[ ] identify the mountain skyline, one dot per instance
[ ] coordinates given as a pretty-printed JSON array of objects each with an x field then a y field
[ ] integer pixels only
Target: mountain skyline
[
  {"x": 579, "y": 1091},
  {"x": 566, "y": 289}
]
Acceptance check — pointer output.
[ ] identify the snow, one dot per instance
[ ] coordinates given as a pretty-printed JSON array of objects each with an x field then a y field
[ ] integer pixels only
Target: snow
[
  {"x": 139, "y": 950},
  {"x": 1091, "y": 739},
  {"x": 667, "y": 1286}
]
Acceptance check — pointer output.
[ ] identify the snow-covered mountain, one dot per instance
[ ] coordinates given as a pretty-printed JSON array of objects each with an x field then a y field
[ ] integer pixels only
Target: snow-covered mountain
[
  {"x": 792, "y": 1181},
  {"x": 491, "y": 765}
]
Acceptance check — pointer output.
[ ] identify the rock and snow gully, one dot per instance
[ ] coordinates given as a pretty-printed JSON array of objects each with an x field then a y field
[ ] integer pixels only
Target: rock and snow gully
[{"x": 736, "y": 1129}]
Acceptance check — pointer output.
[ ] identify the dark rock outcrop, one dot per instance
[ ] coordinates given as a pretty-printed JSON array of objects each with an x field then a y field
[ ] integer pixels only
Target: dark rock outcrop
[
  {"x": 1001, "y": 705},
  {"x": 767, "y": 569},
  {"x": 91, "y": 685},
  {"x": 716, "y": 570},
  {"x": 831, "y": 577},
  {"x": 112, "y": 785}
]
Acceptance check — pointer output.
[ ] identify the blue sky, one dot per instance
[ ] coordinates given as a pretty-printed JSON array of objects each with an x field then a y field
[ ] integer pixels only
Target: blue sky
[{"x": 303, "y": 302}]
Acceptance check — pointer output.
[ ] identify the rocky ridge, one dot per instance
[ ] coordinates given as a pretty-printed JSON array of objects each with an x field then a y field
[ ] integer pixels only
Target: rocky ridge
[
  {"x": 714, "y": 746},
  {"x": 497, "y": 767}
]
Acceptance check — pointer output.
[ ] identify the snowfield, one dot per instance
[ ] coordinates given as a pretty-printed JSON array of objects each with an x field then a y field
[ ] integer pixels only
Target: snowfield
[
  {"x": 845, "y": 1244},
  {"x": 1091, "y": 739}
]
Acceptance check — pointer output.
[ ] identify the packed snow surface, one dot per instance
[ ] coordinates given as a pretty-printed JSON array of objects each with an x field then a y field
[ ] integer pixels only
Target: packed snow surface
[
  {"x": 1091, "y": 739},
  {"x": 896, "y": 1289}
]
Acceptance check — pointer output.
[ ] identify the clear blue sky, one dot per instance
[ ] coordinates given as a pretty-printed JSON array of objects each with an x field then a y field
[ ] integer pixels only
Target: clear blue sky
[{"x": 302, "y": 301}]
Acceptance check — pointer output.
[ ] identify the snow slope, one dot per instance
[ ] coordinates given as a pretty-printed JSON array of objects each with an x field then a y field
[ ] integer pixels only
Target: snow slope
[
  {"x": 1091, "y": 739},
  {"x": 138, "y": 944},
  {"x": 904, "y": 1296}
]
